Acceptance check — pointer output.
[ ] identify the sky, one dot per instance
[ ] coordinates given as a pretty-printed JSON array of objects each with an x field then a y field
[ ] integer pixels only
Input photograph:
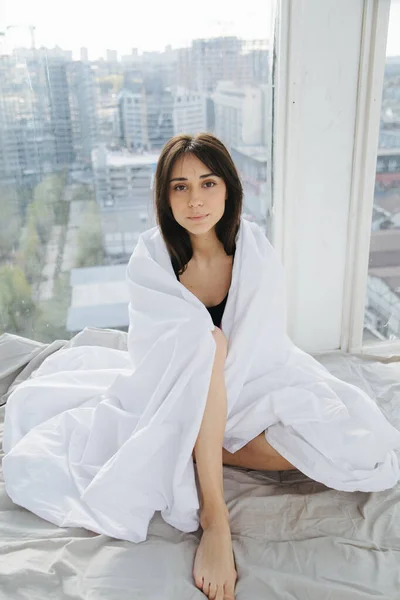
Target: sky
[
  {"x": 119, "y": 25},
  {"x": 393, "y": 41}
]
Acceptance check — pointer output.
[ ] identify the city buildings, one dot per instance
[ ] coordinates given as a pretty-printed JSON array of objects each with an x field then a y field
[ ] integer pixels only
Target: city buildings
[
  {"x": 47, "y": 115},
  {"x": 105, "y": 121},
  {"x": 123, "y": 183},
  {"x": 148, "y": 117},
  {"x": 240, "y": 114}
]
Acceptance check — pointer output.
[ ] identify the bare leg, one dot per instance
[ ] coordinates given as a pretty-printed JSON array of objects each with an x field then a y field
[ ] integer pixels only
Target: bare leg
[
  {"x": 257, "y": 455},
  {"x": 214, "y": 567}
]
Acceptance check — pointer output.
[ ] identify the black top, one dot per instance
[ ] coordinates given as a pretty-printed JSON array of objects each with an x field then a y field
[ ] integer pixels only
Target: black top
[{"x": 216, "y": 312}]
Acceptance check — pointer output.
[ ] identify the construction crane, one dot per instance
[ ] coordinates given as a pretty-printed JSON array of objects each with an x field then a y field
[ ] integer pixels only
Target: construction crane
[{"x": 30, "y": 27}]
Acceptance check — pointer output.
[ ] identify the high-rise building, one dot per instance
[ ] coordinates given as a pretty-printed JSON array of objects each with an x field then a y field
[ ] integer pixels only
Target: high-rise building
[
  {"x": 242, "y": 122},
  {"x": 188, "y": 111},
  {"x": 123, "y": 184},
  {"x": 215, "y": 60},
  {"x": 132, "y": 118},
  {"x": 47, "y": 115},
  {"x": 82, "y": 102},
  {"x": 160, "y": 127},
  {"x": 186, "y": 75},
  {"x": 112, "y": 56},
  {"x": 253, "y": 68},
  {"x": 240, "y": 114},
  {"x": 84, "y": 55},
  {"x": 26, "y": 140},
  {"x": 149, "y": 118},
  {"x": 60, "y": 110}
]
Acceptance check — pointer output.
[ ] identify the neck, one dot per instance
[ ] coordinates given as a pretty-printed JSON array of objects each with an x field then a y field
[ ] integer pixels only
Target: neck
[{"x": 206, "y": 247}]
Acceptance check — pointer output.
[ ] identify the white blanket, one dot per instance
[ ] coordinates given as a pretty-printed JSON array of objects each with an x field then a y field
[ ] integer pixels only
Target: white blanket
[{"x": 103, "y": 438}]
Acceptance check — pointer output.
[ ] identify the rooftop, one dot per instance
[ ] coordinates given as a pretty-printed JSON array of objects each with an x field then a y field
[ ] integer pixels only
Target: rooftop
[
  {"x": 99, "y": 298},
  {"x": 121, "y": 158}
]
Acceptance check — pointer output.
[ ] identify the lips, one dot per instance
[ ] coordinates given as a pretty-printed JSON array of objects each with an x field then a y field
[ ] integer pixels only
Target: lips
[{"x": 197, "y": 217}]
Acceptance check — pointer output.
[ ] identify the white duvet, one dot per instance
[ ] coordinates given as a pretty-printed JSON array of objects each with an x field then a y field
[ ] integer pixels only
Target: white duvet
[{"x": 103, "y": 438}]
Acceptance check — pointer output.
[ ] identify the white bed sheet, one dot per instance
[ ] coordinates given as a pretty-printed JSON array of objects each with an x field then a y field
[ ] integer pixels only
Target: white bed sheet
[{"x": 293, "y": 538}]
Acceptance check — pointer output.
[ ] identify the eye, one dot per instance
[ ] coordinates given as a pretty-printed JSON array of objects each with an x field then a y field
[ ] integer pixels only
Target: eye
[
  {"x": 179, "y": 186},
  {"x": 212, "y": 182}
]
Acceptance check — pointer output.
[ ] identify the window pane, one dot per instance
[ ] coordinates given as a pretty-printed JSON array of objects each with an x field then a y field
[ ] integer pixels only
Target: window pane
[
  {"x": 81, "y": 129},
  {"x": 382, "y": 314}
]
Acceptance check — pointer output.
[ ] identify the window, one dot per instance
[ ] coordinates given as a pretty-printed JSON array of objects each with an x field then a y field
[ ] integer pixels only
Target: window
[
  {"x": 74, "y": 116},
  {"x": 382, "y": 313}
]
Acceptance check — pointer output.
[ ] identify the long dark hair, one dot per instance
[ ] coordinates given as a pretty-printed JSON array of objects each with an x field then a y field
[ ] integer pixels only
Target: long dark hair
[{"x": 212, "y": 152}]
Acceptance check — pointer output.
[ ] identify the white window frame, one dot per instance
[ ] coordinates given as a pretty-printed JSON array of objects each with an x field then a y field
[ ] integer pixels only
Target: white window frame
[{"x": 328, "y": 82}]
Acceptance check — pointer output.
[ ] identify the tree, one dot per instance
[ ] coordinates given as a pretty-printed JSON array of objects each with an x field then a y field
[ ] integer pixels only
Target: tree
[
  {"x": 51, "y": 315},
  {"x": 41, "y": 214},
  {"x": 31, "y": 254},
  {"x": 83, "y": 192},
  {"x": 48, "y": 206},
  {"x": 110, "y": 83},
  {"x": 90, "y": 241},
  {"x": 10, "y": 222},
  {"x": 16, "y": 305},
  {"x": 57, "y": 183}
]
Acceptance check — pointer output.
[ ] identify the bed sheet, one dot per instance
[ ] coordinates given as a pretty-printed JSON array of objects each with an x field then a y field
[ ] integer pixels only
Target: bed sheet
[{"x": 293, "y": 538}]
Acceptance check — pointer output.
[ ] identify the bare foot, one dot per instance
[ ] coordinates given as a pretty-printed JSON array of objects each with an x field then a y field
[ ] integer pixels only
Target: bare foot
[{"x": 214, "y": 566}]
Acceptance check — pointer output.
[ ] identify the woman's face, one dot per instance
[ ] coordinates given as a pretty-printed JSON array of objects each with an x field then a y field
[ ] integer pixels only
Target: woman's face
[{"x": 194, "y": 190}]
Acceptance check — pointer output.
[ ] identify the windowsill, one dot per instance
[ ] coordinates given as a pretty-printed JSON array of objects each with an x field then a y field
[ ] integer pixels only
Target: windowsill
[{"x": 387, "y": 350}]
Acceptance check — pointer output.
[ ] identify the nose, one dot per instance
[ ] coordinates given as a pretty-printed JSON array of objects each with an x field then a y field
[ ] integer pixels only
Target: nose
[{"x": 195, "y": 200}]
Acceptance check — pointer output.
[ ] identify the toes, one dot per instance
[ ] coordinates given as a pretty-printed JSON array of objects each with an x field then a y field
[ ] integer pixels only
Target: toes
[
  {"x": 212, "y": 593},
  {"x": 206, "y": 587},
  {"x": 220, "y": 593},
  {"x": 199, "y": 581},
  {"x": 229, "y": 593}
]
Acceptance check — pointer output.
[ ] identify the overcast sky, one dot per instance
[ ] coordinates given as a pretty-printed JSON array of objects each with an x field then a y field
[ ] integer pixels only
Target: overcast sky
[
  {"x": 125, "y": 24},
  {"x": 393, "y": 43},
  {"x": 148, "y": 25}
]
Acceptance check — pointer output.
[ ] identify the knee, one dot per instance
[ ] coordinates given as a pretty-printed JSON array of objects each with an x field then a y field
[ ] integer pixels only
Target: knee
[{"x": 221, "y": 341}]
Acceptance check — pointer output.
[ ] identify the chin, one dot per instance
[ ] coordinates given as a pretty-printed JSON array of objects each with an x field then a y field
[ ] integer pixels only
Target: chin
[{"x": 201, "y": 227}]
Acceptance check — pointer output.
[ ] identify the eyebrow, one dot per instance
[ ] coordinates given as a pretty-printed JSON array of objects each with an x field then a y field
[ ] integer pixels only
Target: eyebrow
[{"x": 185, "y": 179}]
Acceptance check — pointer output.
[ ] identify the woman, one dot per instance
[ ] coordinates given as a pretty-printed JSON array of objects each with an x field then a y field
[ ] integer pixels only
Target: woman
[
  {"x": 102, "y": 438},
  {"x": 199, "y": 224}
]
